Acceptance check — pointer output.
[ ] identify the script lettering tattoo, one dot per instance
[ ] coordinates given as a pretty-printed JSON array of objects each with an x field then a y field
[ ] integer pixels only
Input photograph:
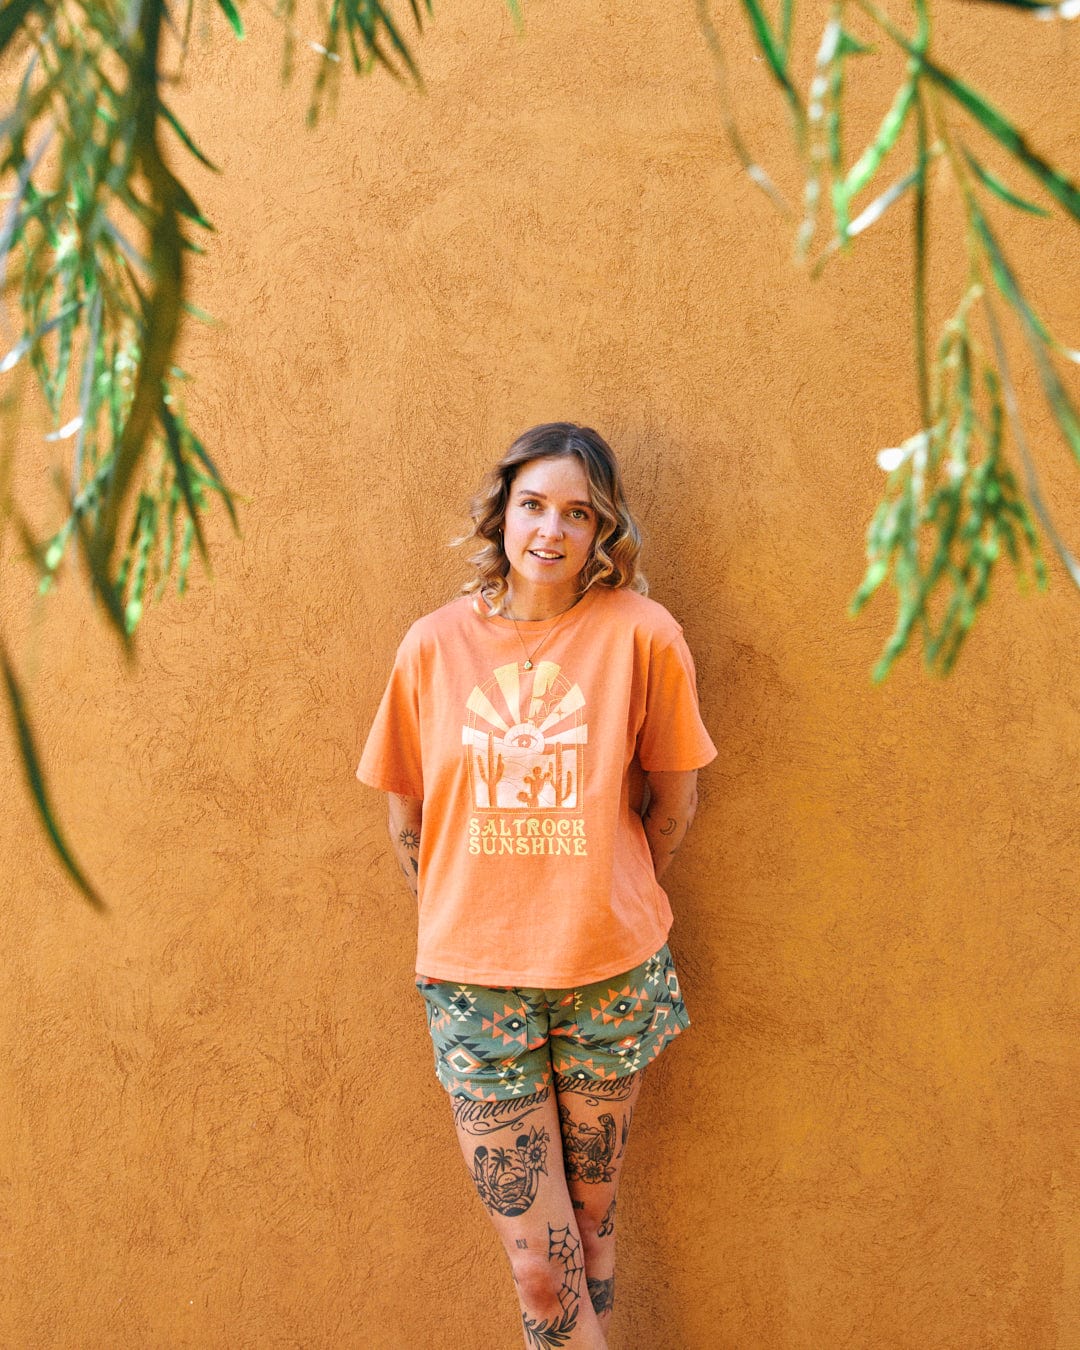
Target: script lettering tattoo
[
  {"x": 597, "y": 1089},
  {"x": 602, "y": 1293},
  {"x": 565, "y": 1250},
  {"x": 522, "y": 1244},
  {"x": 588, "y": 1150},
  {"x": 607, "y": 1223},
  {"x": 485, "y": 1117},
  {"x": 507, "y": 1178}
]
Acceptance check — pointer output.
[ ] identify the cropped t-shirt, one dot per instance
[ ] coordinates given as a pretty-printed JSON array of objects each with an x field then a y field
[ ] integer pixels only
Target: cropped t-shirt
[{"x": 534, "y": 868}]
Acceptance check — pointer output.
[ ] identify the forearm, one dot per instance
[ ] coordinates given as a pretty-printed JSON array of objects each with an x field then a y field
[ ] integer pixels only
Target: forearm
[
  {"x": 672, "y": 803},
  {"x": 405, "y": 819}
]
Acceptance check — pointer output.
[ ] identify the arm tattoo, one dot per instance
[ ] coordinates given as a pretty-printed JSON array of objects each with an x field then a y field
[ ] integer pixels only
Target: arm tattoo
[{"x": 409, "y": 839}]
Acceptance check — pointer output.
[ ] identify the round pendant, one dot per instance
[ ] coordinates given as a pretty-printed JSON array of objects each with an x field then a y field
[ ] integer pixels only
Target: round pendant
[{"x": 528, "y": 665}]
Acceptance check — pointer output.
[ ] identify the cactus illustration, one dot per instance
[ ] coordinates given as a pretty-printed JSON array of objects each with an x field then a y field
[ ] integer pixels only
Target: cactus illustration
[
  {"x": 562, "y": 790},
  {"x": 534, "y": 781},
  {"x": 493, "y": 771}
]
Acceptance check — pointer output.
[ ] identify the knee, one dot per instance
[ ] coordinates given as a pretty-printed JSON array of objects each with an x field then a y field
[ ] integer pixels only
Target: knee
[
  {"x": 596, "y": 1238},
  {"x": 539, "y": 1283}
]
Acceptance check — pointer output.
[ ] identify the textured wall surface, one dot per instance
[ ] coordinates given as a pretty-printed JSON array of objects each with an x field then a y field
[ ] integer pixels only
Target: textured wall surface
[{"x": 218, "y": 1121}]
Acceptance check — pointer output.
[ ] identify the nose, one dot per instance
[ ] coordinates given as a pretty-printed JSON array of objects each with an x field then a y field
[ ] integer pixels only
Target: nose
[{"x": 551, "y": 525}]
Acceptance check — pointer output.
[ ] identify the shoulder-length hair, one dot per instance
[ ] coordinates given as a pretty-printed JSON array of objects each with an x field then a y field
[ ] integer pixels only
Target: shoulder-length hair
[{"x": 613, "y": 561}]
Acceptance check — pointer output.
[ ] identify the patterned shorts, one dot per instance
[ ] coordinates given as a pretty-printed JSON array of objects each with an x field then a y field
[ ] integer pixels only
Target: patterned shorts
[{"x": 492, "y": 1044}]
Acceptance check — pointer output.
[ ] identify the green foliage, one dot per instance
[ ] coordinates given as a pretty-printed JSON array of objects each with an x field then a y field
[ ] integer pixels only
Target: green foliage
[
  {"x": 95, "y": 242},
  {"x": 952, "y": 506}
]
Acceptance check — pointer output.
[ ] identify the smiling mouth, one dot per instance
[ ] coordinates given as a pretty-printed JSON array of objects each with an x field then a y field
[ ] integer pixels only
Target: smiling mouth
[{"x": 544, "y": 555}]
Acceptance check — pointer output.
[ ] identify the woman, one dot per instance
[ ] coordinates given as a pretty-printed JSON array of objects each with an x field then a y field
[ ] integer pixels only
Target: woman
[{"x": 540, "y": 740}]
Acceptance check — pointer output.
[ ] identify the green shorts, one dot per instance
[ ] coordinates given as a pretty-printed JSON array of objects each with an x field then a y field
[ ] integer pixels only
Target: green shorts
[{"x": 492, "y": 1044}]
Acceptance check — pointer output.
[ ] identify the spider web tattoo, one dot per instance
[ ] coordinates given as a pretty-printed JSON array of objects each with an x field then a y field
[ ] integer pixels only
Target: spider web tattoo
[{"x": 564, "y": 1249}]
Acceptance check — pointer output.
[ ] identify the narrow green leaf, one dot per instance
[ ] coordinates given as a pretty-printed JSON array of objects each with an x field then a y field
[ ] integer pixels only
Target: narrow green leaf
[
  {"x": 176, "y": 451},
  {"x": 787, "y": 14},
  {"x": 999, "y": 126},
  {"x": 892, "y": 124},
  {"x": 777, "y": 60},
  {"x": 35, "y": 777},
  {"x": 233, "y": 15},
  {"x": 1072, "y": 566},
  {"x": 514, "y": 6},
  {"x": 921, "y": 357},
  {"x": 880, "y": 205},
  {"x": 999, "y": 189}
]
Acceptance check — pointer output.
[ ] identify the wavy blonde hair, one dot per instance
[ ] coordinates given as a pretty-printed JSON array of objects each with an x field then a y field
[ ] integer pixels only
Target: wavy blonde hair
[{"x": 613, "y": 560}]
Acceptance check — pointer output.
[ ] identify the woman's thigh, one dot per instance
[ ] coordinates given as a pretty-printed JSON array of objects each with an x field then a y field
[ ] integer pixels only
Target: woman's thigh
[
  {"x": 513, "y": 1150},
  {"x": 594, "y": 1121}
]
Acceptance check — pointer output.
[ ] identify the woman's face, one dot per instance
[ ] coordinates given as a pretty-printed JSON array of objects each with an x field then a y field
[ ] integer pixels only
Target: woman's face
[{"x": 549, "y": 526}]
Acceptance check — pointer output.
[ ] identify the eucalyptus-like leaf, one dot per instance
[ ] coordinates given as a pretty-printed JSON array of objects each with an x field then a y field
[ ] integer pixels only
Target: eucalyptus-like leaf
[
  {"x": 999, "y": 189},
  {"x": 35, "y": 777},
  {"x": 31, "y": 340},
  {"x": 1056, "y": 395},
  {"x": 1012, "y": 407},
  {"x": 996, "y": 123},
  {"x": 868, "y": 163},
  {"x": 233, "y": 15},
  {"x": 777, "y": 62}
]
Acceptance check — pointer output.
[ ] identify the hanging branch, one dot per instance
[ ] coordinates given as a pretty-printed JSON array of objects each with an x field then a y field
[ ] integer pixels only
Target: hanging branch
[
  {"x": 952, "y": 505},
  {"x": 96, "y": 236}
]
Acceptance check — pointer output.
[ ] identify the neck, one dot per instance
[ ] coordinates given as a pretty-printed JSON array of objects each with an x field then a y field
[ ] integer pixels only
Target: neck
[{"x": 536, "y": 603}]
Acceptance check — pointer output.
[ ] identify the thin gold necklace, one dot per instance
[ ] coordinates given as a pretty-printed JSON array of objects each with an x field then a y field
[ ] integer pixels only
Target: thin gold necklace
[{"x": 530, "y": 656}]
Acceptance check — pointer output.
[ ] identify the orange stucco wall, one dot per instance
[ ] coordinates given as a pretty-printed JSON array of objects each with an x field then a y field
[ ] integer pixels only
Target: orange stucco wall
[{"x": 218, "y": 1122}]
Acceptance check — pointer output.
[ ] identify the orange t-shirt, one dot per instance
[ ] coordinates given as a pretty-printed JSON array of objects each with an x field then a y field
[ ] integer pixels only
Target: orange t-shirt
[{"x": 534, "y": 868}]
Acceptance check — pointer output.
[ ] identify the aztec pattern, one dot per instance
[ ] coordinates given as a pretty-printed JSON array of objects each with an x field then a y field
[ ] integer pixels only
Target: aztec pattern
[{"x": 493, "y": 1044}]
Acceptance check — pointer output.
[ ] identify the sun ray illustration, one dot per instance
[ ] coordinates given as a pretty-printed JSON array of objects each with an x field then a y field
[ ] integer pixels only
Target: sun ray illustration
[
  {"x": 478, "y": 703},
  {"x": 507, "y": 677},
  {"x": 526, "y": 762},
  {"x": 569, "y": 703}
]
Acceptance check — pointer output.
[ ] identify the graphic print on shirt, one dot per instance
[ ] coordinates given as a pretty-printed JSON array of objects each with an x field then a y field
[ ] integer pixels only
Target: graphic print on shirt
[{"x": 525, "y": 741}]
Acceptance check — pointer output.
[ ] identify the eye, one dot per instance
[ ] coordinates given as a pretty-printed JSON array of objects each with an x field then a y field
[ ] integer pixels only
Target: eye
[
  {"x": 529, "y": 502},
  {"x": 579, "y": 514}
]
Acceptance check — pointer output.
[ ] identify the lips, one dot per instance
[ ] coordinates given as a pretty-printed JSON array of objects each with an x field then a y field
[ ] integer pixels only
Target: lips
[{"x": 545, "y": 555}]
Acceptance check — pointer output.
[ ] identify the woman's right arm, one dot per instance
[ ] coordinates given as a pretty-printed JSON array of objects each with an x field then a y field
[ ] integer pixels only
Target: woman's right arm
[{"x": 406, "y": 814}]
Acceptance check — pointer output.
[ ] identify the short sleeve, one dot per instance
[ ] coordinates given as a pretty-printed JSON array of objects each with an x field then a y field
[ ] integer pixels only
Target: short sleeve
[
  {"x": 673, "y": 736},
  {"x": 391, "y": 759}
]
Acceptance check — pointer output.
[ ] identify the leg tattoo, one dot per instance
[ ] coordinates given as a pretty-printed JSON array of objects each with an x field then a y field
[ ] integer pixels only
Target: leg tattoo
[
  {"x": 607, "y": 1223},
  {"x": 507, "y": 1178},
  {"x": 486, "y": 1117},
  {"x": 602, "y": 1293},
  {"x": 597, "y": 1089},
  {"x": 588, "y": 1150},
  {"x": 565, "y": 1250}
]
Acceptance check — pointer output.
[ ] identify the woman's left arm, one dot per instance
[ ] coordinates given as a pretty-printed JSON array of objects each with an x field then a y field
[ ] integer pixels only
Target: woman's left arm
[{"x": 673, "y": 800}]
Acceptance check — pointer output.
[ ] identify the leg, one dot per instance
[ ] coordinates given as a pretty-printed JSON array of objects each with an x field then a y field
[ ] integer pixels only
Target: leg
[
  {"x": 595, "y": 1123},
  {"x": 513, "y": 1150}
]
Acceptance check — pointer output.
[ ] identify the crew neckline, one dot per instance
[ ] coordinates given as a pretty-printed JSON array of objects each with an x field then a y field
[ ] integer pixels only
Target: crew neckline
[{"x": 537, "y": 625}]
